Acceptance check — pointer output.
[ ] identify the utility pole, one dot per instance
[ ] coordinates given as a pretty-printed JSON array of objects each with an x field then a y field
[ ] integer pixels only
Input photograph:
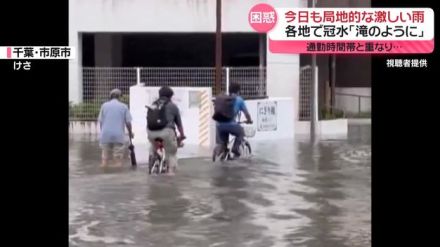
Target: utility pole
[
  {"x": 218, "y": 48},
  {"x": 314, "y": 95},
  {"x": 333, "y": 83}
]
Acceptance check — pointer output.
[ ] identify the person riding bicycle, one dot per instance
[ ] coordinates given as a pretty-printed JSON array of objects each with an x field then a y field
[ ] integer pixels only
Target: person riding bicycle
[
  {"x": 227, "y": 108},
  {"x": 161, "y": 123}
]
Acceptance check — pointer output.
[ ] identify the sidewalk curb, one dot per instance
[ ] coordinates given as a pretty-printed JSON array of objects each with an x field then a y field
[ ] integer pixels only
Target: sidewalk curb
[{"x": 359, "y": 121}]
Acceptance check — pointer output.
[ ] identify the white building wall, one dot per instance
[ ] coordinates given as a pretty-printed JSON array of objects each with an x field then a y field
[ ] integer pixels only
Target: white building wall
[
  {"x": 163, "y": 15},
  {"x": 177, "y": 16},
  {"x": 350, "y": 104},
  {"x": 75, "y": 73}
]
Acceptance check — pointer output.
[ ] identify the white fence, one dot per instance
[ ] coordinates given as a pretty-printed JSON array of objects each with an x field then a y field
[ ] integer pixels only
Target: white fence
[
  {"x": 305, "y": 91},
  {"x": 98, "y": 82}
]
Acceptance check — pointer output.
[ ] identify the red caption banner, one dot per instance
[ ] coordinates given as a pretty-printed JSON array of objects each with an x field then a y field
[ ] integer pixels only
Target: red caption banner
[{"x": 345, "y": 30}]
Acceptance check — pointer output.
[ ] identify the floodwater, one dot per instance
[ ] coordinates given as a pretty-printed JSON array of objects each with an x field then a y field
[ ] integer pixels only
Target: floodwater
[{"x": 289, "y": 194}]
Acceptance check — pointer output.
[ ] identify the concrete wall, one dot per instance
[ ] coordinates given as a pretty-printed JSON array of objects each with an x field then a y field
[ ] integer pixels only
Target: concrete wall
[
  {"x": 103, "y": 50},
  {"x": 337, "y": 128},
  {"x": 342, "y": 3},
  {"x": 276, "y": 124},
  {"x": 281, "y": 124},
  {"x": 350, "y": 104},
  {"x": 163, "y": 15},
  {"x": 84, "y": 127},
  {"x": 75, "y": 73},
  {"x": 108, "y": 50},
  {"x": 285, "y": 124},
  {"x": 190, "y": 107}
]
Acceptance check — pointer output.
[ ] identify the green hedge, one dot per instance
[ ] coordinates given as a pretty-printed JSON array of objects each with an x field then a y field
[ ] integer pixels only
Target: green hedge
[
  {"x": 359, "y": 115},
  {"x": 85, "y": 111},
  {"x": 326, "y": 114},
  {"x": 336, "y": 113},
  {"x": 89, "y": 110}
]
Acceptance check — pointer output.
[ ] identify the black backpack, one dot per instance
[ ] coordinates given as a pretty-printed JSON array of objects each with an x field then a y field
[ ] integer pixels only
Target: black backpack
[
  {"x": 224, "y": 108},
  {"x": 156, "y": 115}
]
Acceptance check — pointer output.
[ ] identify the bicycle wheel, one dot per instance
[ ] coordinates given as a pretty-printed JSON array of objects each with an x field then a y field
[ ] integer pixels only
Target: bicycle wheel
[
  {"x": 219, "y": 153},
  {"x": 167, "y": 168},
  {"x": 215, "y": 154},
  {"x": 246, "y": 149},
  {"x": 151, "y": 161},
  {"x": 248, "y": 145},
  {"x": 154, "y": 167},
  {"x": 163, "y": 167},
  {"x": 225, "y": 156}
]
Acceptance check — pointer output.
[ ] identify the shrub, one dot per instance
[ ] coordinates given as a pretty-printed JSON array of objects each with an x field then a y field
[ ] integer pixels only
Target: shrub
[
  {"x": 89, "y": 110},
  {"x": 326, "y": 114},
  {"x": 85, "y": 111},
  {"x": 360, "y": 115},
  {"x": 125, "y": 99}
]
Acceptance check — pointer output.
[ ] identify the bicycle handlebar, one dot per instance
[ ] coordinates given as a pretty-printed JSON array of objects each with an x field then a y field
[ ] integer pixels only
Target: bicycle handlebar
[{"x": 180, "y": 142}]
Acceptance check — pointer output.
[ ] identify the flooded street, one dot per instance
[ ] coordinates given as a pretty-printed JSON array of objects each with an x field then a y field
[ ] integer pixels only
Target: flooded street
[{"x": 289, "y": 194}]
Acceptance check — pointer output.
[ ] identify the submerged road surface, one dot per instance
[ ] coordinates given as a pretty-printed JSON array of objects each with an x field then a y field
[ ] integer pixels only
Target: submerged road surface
[{"x": 289, "y": 194}]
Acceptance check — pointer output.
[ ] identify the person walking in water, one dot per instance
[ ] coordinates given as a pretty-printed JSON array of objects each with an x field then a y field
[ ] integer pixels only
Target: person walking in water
[{"x": 114, "y": 117}]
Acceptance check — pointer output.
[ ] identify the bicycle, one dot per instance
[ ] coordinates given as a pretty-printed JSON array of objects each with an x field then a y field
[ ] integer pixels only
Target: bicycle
[
  {"x": 245, "y": 147},
  {"x": 157, "y": 163}
]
